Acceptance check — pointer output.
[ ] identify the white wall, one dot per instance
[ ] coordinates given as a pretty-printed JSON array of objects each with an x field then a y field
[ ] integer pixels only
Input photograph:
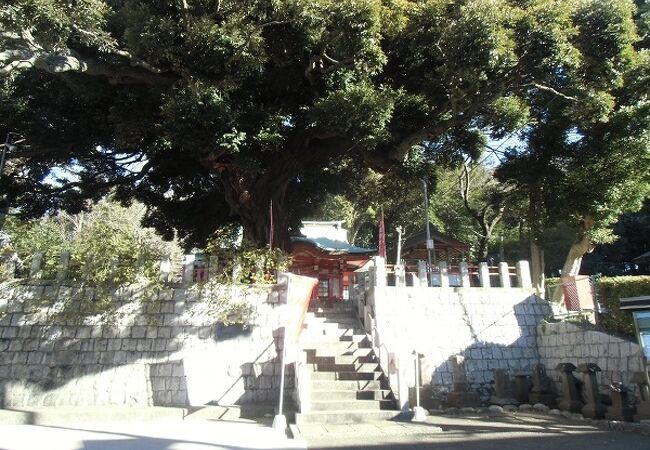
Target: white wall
[
  {"x": 567, "y": 342},
  {"x": 492, "y": 328}
]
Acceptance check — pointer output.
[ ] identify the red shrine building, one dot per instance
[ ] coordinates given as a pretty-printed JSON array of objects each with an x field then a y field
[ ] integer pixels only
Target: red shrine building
[{"x": 323, "y": 252}]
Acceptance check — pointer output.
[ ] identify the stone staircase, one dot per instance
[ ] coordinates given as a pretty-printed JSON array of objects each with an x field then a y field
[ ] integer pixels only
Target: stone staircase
[{"x": 347, "y": 383}]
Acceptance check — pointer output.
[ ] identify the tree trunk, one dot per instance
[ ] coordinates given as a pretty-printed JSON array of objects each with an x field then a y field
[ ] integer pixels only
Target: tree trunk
[
  {"x": 537, "y": 267},
  {"x": 257, "y": 223},
  {"x": 255, "y": 200},
  {"x": 580, "y": 247}
]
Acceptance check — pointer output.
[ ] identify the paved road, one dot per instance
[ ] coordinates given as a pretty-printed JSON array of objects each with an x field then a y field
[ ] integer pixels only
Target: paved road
[
  {"x": 212, "y": 429},
  {"x": 474, "y": 433},
  {"x": 117, "y": 428}
]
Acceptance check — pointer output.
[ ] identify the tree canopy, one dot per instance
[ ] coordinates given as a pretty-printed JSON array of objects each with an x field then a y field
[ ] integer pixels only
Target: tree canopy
[{"x": 209, "y": 110}]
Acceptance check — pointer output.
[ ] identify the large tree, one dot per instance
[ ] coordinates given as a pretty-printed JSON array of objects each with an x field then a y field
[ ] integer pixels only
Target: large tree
[
  {"x": 209, "y": 110},
  {"x": 584, "y": 160}
]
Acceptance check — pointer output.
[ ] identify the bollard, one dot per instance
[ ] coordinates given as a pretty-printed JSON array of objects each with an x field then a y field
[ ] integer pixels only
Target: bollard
[
  {"x": 622, "y": 408},
  {"x": 594, "y": 408},
  {"x": 570, "y": 400}
]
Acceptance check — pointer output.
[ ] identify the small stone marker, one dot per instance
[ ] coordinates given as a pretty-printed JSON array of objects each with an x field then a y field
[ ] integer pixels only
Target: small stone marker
[
  {"x": 621, "y": 408},
  {"x": 570, "y": 400},
  {"x": 461, "y": 396},
  {"x": 542, "y": 391},
  {"x": 522, "y": 387},
  {"x": 643, "y": 405},
  {"x": 503, "y": 392},
  {"x": 594, "y": 408}
]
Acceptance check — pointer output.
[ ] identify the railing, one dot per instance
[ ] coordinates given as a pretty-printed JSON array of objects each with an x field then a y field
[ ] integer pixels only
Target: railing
[
  {"x": 191, "y": 268},
  {"x": 443, "y": 275}
]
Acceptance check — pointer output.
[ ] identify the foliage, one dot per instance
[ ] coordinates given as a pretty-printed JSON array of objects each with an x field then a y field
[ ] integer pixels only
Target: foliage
[
  {"x": 360, "y": 204},
  {"x": 245, "y": 264},
  {"x": 106, "y": 245},
  {"x": 609, "y": 292},
  {"x": 207, "y": 111}
]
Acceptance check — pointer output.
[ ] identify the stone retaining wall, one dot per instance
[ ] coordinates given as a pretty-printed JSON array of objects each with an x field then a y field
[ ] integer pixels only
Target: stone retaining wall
[
  {"x": 492, "y": 328},
  {"x": 162, "y": 348},
  {"x": 567, "y": 342}
]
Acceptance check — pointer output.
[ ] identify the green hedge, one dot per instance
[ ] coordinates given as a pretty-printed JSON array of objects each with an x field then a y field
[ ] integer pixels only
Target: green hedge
[{"x": 609, "y": 291}]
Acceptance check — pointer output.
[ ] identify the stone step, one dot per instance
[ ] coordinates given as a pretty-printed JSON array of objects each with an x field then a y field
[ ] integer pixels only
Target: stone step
[
  {"x": 338, "y": 306},
  {"x": 350, "y": 367},
  {"x": 332, "y": 315},
  {"x": 356, "y": 358},
  {"x": 331, "y": 376},
  {"x": 352, "y": 405},
  {"x": 343, "y": 417},
  {"x": 337, "y": 349},
  {"x": 331, "y": 326},
  {"x": 343, "y": 385},
  {"x": 327, "y": 323},
  {"x": 314, "y": 340},
  {"x": 350, "y": 394}
]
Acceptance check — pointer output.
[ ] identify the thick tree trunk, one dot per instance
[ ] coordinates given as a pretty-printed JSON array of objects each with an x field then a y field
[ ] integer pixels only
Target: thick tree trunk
[
  {"x": 580, "y": 247},
  {"x": 265, "y": 221},
  {"x": 260, "y": 204}
]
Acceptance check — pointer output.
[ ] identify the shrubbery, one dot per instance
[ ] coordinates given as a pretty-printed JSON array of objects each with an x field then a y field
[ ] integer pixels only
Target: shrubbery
[{"x": 609, "y": 291}]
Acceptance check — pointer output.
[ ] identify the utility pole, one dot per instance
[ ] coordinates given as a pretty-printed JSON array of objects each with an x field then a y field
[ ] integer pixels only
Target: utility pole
[{"x": 430, "y": 244}]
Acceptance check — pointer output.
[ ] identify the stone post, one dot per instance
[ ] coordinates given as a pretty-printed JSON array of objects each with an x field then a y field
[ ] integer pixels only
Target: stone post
[
  {"x": 594, "y": 408},
  {"x": 570, "y": 400},
  {"x": 422, "y": 273},
  {"x": 35, "y": 271},
  {"x": 10, "y": 267},
  {"x": 461, "y": 396},
  {"x": 188, "y": 269},
  {"x": 503, "y": 392},
  {"x": 542, "y": 391},
  {"x": 464, "y": 274},
  {"x": 444, "y": 274},
  {"x": 165, "y": 269},
  {"x": 643, "y": 405},
  {"x": 523, "y": 275},
  {"x": 504, "y": 275},
  {"x": 522, "y": 387},
  {"x": 400, "y": 276},
  {"x": 380, "y": 271},
  {"x": 64, "y": 265},
  {"x": 213, "y": 267},
  {"x": 484, "y": 274},
  {"x": 622, "y": 408},
  {"x": 115, "y": 264}
]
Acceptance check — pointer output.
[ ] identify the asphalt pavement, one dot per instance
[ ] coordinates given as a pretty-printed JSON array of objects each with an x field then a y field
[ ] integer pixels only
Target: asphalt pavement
[{"x": 214, "y": 428}]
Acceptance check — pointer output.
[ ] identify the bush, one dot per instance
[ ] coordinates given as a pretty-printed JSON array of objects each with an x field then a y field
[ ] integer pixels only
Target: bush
[{"x": 609, "y": 291}]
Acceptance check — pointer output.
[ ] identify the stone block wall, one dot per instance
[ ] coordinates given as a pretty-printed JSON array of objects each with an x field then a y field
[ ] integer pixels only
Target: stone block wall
[
  {"x": 165, "y": 348},
  {"x": 566, "y": 342},
  {"x": 492, "y": 328}
]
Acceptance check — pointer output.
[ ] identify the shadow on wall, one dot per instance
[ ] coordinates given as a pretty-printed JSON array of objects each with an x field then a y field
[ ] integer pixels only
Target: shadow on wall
[
  {"x": 507, "y": 342},
  {"x": 256, "y": 390},
  {"x": 137, "y": 360}
]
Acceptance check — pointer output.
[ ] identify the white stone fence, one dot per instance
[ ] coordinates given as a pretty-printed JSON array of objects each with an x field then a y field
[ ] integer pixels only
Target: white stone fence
[
  {"x": 193, "y": 268},
  {"x": 444, "y": 275}
]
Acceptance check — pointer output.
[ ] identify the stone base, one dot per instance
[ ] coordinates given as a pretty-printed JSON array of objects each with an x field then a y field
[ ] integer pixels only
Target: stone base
[
  {"x": 547, "y": 399},
  {"x": 626, "y": 414},
  {"x": 594, "y": 410},
  {"x": 573, "y": 406},
  {"x": 426, "y": 397},
  {"x": 502, "y": 401},
  {"x": 463, "y": 399},
  {"x": 642, "y": 411}
]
